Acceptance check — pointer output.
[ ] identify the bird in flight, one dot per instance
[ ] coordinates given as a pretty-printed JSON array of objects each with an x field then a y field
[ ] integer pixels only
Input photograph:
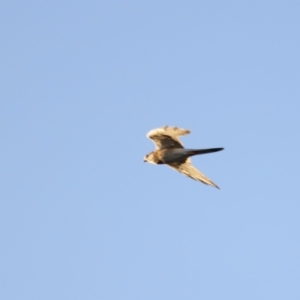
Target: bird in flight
[{"x": 170, "y": 151}]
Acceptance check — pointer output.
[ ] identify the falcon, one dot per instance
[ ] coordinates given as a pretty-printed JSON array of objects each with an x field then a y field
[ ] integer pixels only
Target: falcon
[{"x": 170, "y": 151}]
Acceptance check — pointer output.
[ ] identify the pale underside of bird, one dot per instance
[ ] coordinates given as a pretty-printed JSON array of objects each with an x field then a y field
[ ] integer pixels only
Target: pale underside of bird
[{"x": 170, "y": 151}]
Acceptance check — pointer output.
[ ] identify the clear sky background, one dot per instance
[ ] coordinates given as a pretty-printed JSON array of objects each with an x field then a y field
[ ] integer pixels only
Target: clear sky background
[{"x": 81, "y": 215}]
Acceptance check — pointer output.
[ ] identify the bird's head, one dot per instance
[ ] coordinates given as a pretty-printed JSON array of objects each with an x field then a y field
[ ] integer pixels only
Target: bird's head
[{"x": 150, "y": 158}]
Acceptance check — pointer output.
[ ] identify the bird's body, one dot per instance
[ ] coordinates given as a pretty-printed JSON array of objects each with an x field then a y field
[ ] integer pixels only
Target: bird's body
[{"x": 170, "y": 151}]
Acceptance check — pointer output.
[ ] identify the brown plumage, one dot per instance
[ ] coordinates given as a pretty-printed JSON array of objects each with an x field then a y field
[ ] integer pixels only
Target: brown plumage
[{"x": 170, "y": 151}]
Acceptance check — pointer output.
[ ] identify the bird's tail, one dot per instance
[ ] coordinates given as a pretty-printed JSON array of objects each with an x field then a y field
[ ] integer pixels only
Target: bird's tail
[{"x": 203, "y": 151}]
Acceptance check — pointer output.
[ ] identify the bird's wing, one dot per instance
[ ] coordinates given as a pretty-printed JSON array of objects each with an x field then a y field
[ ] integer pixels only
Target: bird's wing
[
  {"x": 166, "y": 137},
  {"x": 187, "y": 169}
]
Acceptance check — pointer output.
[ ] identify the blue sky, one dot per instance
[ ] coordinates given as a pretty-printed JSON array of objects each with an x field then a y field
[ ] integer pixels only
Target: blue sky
[{"x": 81, "y": 215}]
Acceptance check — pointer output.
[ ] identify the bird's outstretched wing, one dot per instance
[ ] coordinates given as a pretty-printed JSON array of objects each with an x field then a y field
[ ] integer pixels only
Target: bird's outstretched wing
[
  {"x": 187, "y": 169},
  {"x": 166, "y": 137}
]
